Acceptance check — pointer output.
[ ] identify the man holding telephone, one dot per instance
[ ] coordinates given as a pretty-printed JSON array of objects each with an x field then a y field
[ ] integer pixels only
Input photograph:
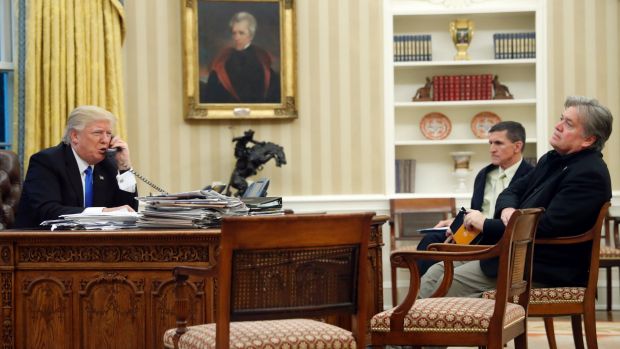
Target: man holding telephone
[{"x": 77, "y": 175}]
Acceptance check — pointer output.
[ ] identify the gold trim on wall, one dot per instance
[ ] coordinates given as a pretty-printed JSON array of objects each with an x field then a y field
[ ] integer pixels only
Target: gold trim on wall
[{"x": 194, "y": 108}]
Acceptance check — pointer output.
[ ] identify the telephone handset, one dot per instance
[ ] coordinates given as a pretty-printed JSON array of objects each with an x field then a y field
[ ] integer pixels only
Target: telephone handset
[{"x": 111, "y": 152}]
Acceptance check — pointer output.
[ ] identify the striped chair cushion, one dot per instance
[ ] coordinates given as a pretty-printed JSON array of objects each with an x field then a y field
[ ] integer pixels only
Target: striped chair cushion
[
  {"x": 448, "y": 314},
  {"x": 550, "y": 295},
  {"x": 273, "y": 334},
  {"x": 609, "y": 253}
]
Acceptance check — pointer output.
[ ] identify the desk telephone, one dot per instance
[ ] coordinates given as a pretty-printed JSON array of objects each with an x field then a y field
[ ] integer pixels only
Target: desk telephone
[{"x": 111, "y": 152}]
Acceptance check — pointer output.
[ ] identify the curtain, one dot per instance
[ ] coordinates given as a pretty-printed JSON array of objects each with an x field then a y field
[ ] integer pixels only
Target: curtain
[{"x": 73, "y": 57}]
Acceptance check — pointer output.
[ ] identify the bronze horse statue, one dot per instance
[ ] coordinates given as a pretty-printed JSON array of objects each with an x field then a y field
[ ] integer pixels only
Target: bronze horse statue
[{"x": 250, "y": 160}]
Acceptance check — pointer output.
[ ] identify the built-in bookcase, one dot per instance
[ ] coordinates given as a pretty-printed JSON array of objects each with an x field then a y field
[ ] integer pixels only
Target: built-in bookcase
[{"x": 524, "y": 77}]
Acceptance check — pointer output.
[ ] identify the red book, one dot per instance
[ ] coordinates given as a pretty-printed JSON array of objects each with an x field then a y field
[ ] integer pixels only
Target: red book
[
  {"x": 468, "y": 86},
  {"x": 435, "y": 88}
]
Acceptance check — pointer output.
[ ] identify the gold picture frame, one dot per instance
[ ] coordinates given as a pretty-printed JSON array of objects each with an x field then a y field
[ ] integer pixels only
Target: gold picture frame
[{"x": 215, "y": 84}]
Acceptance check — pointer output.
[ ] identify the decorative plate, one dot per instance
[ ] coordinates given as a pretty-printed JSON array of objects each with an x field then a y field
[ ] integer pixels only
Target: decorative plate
[
  {"x": 435, "y": 126},
  {"x": 482, "y": 123}
]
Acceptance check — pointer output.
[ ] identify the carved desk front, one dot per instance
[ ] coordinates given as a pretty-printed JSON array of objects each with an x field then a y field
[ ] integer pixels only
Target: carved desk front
[{"x": 113, "y": 289}]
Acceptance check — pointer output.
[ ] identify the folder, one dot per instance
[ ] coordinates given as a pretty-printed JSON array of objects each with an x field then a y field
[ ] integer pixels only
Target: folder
[{"x": 459, "y": 233}]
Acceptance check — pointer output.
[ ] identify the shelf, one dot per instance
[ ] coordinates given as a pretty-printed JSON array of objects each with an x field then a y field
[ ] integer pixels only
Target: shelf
[
  {"x": 486, "y": 62},
  {"x": 449, "y": 142},
  {"x": 488, "y": 102},
  {"x": 431, "y": 195}
]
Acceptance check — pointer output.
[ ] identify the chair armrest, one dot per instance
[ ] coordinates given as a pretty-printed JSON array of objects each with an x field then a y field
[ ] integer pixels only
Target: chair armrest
[
  {"x": 405, "y": 258},
  {"x": 564, "y": 240},
  {"x": 456, "y": 247},
  {"x": 181, "y": 295}
]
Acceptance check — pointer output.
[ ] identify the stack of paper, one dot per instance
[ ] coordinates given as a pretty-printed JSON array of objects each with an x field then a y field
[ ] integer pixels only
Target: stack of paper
[
  {"x": 195, "y": 209},
  {"x": 112, "y": 220}
]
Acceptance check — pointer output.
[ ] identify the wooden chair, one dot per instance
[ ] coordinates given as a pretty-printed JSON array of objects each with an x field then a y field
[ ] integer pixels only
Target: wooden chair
[
  {"x": 573, "y": 301},
  {"x": 610, "y": 251},
  {"x": 10, "y": 187},
  {"x": 309, "y": 266},
  {"x": 457, "y": 321},
  {"x": 427, "y": 210}
]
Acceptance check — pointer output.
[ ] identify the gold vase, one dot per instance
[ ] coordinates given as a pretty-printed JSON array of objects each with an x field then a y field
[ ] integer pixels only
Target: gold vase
[{"x": 461, "y": 31}]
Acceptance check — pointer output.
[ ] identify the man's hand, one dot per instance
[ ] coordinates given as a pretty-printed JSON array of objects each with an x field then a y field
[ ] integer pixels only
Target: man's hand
[
  {"x": 506, "y": 214},
  {"x": 123, "y": 161},
  {"x": 126, "y": 208},
  {"x": 474, "y": 220}
]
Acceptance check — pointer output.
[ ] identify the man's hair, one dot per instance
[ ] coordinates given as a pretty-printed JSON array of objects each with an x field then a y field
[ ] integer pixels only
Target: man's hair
[
  {"x": 596, "y": 118},
  {"x": 244, "y": 17},
  {"x": 84, "y": 115},
  {"x": 514, "y": 131}
]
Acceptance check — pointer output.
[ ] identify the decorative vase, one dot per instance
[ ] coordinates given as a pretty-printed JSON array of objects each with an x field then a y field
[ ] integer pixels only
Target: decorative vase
[
  {"x": 461, "y": 169},
  {"x": 462, "y": 32}
]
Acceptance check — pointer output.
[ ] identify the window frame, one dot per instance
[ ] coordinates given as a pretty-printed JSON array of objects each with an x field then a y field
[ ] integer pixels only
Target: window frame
[{"x": 7, "y": 65}]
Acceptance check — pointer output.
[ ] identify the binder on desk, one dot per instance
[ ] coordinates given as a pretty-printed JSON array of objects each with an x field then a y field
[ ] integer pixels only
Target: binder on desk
[{"x": 263, "y": 202}]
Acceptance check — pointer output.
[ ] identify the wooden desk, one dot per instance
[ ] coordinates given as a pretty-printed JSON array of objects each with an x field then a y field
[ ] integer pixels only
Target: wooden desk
[{"x": 115, "y": 289}]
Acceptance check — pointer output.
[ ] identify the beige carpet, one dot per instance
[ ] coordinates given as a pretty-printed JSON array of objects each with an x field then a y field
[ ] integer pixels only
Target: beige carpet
[{"x": 608, "y": 334}]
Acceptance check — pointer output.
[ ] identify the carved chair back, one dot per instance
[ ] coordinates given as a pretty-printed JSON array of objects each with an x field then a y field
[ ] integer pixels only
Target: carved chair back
[{"x": 292, "y": 266}]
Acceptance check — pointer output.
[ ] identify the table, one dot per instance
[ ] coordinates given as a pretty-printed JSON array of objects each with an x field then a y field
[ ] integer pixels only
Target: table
[{"x": 112, "y": 289}]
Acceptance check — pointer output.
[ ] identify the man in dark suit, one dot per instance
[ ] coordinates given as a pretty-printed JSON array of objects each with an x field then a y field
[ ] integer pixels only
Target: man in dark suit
[
  {"x": 76, "y": 176},
  {"x": 506, "y": 142},
  {"x": 571, "y": 182}
]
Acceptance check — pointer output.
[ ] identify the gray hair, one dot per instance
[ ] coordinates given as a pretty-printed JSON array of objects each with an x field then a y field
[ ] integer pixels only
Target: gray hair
[
  {"x": 514, "y": 131},
  {"x": 596, "y": 118},
  {"x": 84, "y": 115},
  {"x": 244, "y": 17}
]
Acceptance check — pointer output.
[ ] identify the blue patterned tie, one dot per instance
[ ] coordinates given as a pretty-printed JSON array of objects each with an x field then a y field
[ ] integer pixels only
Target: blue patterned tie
[{"x": 88, "y": 187}]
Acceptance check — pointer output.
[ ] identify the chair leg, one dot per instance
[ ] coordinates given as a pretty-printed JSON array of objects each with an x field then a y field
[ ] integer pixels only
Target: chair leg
[
  {"x": 394, "y": 287},
  {"x": 589, "y": 320},
  {"x": 550, "y": 332},
  {"x": 609, "y": 286},
  {"x": 577, "y": 332},
  {"x": 521, "y": 341}
]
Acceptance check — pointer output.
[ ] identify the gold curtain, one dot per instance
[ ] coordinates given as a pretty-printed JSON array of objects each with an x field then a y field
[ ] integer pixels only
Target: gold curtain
[{"x": 73, "y": 57}]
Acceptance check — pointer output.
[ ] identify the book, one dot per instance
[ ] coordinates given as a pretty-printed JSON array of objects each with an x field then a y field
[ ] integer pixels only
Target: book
[
  {"x": 262, "y": 202},
  {"x": 460, "y": 234},
  {"x": 432, "y": 230}
]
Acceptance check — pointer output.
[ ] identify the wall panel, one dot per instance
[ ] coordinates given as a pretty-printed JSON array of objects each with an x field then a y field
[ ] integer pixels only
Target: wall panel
[
  {"x": 336, "y": 144},
  {"x": 333, "y": 147},
  {"x": 583, "y": 60}
]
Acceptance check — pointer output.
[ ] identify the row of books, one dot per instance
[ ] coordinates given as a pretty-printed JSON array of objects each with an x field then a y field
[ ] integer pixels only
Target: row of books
[
  {"x": 514, "y": 45},
  {"x": 405, "y": 175},
  {"x": 409, "y": 48},
  {"x": 462, "y": 87}
]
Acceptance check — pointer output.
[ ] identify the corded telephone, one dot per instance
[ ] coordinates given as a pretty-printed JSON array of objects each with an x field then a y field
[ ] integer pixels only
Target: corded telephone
[{"x": 111, "y": 152}]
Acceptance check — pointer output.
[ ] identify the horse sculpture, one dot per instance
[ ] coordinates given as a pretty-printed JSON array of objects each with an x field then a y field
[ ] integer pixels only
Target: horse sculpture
[{"x": 250, "y": 160}]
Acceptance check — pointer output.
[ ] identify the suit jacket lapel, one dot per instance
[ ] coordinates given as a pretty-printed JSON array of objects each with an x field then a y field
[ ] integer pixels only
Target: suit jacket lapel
[{"x": 73, "y": 175}]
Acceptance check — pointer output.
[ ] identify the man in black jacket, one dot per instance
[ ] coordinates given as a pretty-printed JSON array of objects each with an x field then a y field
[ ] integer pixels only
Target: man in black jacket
[
  {"x": 571, "y": 182},
  {"x": 506, "y": 144},
  {"x": 56, "y": 181}
]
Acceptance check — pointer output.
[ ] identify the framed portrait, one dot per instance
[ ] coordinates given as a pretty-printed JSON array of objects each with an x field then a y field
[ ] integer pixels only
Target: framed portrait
[{"x": 239, "y": 59}]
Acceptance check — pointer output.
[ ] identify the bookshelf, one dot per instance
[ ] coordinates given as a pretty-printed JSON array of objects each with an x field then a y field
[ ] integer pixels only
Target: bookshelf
[{"x": 525, "y": 77}]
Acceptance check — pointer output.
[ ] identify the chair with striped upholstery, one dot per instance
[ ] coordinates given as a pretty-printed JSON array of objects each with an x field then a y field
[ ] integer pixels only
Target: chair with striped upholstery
[
  {"x": 274, "y": 276},
  {"x": 459, "y": 321},
  {"x": 576, "y": 302}
]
